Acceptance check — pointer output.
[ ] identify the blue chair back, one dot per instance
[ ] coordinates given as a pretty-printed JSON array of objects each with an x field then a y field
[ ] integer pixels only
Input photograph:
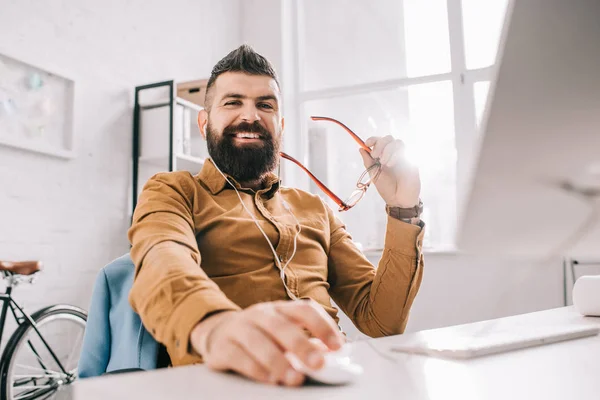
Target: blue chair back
[{"x": 115, "y": 338}]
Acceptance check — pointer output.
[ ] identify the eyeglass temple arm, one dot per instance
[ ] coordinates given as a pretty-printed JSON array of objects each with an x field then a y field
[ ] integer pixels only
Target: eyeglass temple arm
[
  {"x": 358, "y": 140},
  {"x": 320, "y": 184}
]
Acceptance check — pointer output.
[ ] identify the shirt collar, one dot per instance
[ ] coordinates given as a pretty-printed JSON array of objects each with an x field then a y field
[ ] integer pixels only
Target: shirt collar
[{"x": 215, "y": 182}]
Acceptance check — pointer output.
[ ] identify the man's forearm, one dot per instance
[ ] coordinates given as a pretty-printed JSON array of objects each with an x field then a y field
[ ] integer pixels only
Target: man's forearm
[
  {"x": 171, "y": 294},
  {"x": 392, "y": 294},
  {"x": 398, "y": 276},
  {"x": 377, "y": 300}
]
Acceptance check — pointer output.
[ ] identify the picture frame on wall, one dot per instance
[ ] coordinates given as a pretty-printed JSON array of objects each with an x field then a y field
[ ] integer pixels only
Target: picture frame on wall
[{"x": 36, "y": 109}]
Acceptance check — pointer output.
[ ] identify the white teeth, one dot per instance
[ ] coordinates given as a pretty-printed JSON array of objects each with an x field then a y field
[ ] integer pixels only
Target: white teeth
[{"x": 247, "y": 135}]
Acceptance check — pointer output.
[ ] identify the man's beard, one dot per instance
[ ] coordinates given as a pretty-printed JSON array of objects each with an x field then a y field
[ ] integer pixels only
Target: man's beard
[{"x": 246, "y": 162}]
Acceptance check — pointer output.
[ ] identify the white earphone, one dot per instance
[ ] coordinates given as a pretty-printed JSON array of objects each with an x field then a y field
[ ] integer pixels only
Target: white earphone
[{"x": 275, "y": 257}]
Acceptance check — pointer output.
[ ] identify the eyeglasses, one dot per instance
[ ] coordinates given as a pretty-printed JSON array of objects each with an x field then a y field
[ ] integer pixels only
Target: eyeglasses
[{"x": 369, "y": 176}]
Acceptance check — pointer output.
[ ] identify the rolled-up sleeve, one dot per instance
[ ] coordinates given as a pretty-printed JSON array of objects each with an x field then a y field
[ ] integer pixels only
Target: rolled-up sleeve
[
  {"x": 377, "y": 300},
  {"x": 171, "y": 292}
]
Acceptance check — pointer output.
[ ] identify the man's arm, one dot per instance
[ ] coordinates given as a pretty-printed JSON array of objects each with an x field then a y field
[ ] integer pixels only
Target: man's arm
[
  {"x": 171, "y": 293},
  {"x": 186, "y": 310},
  {"x": 378, "y": 300}
]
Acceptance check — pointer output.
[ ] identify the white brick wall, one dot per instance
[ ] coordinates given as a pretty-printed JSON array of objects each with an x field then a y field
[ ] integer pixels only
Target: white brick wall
[
  {"x": 460, "y": 288},
  {"x": 73, "y": 214}
]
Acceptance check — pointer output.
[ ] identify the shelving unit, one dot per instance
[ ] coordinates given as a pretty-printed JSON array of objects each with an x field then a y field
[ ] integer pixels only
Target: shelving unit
[{"x": 165, "y": 132}]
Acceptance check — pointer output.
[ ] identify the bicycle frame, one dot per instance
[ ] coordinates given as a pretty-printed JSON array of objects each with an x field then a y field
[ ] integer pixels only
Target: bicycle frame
[{"x": 9, "y": 302}]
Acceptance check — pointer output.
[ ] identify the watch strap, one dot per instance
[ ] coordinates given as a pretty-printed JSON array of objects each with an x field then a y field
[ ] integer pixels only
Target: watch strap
[{"x": 405, "y": 213}]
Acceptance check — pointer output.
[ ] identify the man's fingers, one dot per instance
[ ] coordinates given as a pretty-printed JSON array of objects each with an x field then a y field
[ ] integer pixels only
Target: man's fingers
[
  {"x": 391, "y": 153},
  {"x": 260, "y": 346},
  {"x": 257, "y": 339},
  {"x": 290, "y": 337},
  {"x": 379, "y": 145},
  {"x": 367, "y": 159},
  {"x": 310, "y": 315}
]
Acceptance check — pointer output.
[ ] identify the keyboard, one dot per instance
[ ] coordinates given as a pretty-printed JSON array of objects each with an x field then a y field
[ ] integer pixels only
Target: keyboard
[{"x": 489, "y": 337}]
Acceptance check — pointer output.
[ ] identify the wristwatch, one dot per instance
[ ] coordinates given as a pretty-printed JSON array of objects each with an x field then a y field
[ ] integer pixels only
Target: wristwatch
[{"x": 405, "y": 213}]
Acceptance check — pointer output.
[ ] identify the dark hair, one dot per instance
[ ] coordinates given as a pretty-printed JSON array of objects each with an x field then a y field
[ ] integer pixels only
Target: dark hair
[{"x": 243, "y": 59}]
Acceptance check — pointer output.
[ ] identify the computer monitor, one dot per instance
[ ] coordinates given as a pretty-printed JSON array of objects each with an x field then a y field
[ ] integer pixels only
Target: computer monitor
[{"x": 535, "y": 186}]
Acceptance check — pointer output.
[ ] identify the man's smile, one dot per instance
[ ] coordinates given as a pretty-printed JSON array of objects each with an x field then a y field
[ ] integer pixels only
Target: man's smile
[{"x": 246, "y": 137}]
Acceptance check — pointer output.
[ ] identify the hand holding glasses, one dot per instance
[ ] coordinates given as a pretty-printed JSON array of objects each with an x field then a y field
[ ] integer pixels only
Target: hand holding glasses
[{"x": 369, "y": 176}]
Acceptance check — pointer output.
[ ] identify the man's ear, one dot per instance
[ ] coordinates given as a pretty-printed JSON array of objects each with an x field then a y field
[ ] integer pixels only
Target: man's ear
[
  {"x": 282, "y": 125},
  {"x": 202, "y": 122}
]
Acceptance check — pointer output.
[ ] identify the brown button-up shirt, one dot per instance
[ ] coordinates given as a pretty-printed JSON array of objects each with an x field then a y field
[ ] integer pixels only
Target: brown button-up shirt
[{"x": 197, "y": 251}]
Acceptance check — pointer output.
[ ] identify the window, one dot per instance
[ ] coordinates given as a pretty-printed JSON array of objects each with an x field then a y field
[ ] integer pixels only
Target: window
[
  {"x": 354, "y": 42},
  {"x": 482, "y": 24},
  {"x": 407, "y": 68}
]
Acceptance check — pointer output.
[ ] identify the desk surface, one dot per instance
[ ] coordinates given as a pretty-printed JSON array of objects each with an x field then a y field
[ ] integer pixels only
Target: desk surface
[{"x": 569, "y": 369}]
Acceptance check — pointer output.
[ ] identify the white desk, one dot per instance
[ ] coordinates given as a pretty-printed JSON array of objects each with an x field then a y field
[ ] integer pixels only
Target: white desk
[{"x": 566, "y": 370}]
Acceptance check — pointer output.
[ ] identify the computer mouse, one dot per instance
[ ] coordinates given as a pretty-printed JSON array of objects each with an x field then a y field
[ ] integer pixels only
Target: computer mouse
[
  {"x": 339, "y": 369},
  {"x": 586, "y": 295}
]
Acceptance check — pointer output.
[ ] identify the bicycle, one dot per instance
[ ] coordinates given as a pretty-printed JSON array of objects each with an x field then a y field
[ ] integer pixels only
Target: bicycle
[{"x": 42, "y": 354}]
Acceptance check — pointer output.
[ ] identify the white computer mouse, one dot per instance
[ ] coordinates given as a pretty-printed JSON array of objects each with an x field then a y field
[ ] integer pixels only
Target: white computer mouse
[
  {"x": 586, "y": 295},
  {"x": 339, "y": 369}
]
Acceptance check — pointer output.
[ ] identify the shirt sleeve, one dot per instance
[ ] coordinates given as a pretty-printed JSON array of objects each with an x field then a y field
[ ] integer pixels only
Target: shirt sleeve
[
  {"x": 170, "y": 292},
  {"x": 377, "y": 300}
]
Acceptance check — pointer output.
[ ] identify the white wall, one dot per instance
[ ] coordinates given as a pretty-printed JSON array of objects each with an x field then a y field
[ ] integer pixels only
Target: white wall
[
  {"x": 460, "y": 288},
  {"x": 73, "y": 214},
  {"x": 261, "y": 25}
]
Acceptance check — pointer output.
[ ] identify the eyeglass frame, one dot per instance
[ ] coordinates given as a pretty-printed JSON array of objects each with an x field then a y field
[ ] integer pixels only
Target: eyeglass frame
[{"x": 361, "y": 188}]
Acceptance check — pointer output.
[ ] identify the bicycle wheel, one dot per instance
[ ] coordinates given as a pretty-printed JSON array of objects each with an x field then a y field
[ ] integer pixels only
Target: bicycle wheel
[{"x": 28, "y": 369}]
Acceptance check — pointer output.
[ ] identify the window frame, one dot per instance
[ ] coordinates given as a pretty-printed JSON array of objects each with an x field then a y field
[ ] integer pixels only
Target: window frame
[{"x": 463, "y": 80}]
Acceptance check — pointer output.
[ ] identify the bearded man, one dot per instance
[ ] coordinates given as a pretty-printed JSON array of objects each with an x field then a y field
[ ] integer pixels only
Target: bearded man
[{"x": 234, "y": 270}]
